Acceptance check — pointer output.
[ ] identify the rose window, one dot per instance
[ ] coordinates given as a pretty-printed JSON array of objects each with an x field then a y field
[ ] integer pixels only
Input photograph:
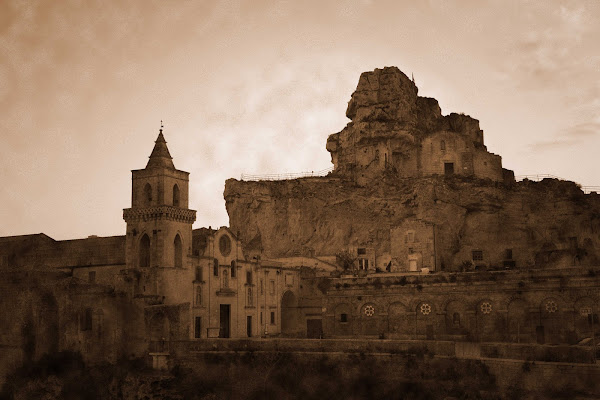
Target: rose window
[
  {"x": 551, "y": 306},
  {"x": 486, "y": 308},
  {"x": 425, "y": 309},
  {"x": 369, "y": 311}
]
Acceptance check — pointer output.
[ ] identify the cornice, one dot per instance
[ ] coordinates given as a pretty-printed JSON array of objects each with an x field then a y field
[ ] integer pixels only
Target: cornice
[{"x": 169, "y": 213}]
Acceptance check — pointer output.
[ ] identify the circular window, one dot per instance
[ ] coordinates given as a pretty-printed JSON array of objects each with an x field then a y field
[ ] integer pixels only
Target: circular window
[
  {"x": 425, "y": 309},
  {"x": 225, "y": 245},
  {"x": 369, "y": 311},
  {"x": 551, "y": 306},
  {"x": 486, "y": 307}
]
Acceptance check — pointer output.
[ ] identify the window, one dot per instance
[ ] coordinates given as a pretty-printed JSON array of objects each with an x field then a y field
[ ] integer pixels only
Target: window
[
  {"x": 197, "y": 327},
  {"x": 271, "y": 287},
  {"x": 289, "y": 279},
  {"x": 272, "y": 317},
  {"x": 147, "y": 194},
  {"x": 250, "y": 300},
  {"x": 178, "y": 252},
  {"x": 343, "y": 318},
  {"x": 508, "y": 254},
  {"x": 233, "y": 269},
  {"x": 363, "y": 263},
  {"x": 361, "y": 251},
  {"x": 411, "y": 250},
  {"x": 92, "y": 277},
  {"x": 249, "y": 277},
  {"x": 448, "y": 168},
  {"x": 410, "y": 237},
  {"x": 176, "y": 195},
  {"x": 225, "y": 279},
  {"x": 225, "y": 245},
  {"x": 199, "y": 277},
  {"x": 262, "y": 287},
  {"x": 477, "y": 255},
  {"x": 198, "y": 295},
  {"x": 442, "y": 145},
  {"x": 216, "y": 267},
  {"x": 86, "y": 320},
  {"x": 144, "y": 256},
  {"x": 261, "y": 318}
]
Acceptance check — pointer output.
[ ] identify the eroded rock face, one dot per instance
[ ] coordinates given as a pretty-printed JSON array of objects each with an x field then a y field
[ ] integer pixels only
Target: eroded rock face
[
  {"x": 550, "y": 223},
  {"x": 394, "y": 129},
  {"x": 420, "y": 190}
]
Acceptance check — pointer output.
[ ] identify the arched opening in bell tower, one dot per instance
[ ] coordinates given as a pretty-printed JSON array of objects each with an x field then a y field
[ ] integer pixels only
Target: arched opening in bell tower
[
  {"x": 144, "y": 252},
  {"x": 178, "y": 251}
]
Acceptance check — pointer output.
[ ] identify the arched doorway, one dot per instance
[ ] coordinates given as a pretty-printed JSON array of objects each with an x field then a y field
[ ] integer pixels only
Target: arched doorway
[{"x": 289, "y": 313}]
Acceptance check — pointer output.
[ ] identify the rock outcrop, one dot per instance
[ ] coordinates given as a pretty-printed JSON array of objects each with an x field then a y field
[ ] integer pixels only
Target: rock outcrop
[{"x": 416, "y": 189}]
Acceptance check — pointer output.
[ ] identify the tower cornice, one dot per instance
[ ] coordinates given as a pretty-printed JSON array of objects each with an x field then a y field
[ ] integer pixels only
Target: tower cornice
[{"x": 164, "y": 212}]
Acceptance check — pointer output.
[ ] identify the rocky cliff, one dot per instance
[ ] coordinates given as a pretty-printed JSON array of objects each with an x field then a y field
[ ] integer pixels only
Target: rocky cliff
[{"x": 412, "y": 185}]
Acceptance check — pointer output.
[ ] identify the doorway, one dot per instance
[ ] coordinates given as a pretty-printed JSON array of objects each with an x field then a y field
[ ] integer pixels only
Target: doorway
[
  {"x": 448, "y": 168},
  {"x": 249, "y": 325},
  {"x": 225, "y": 312},
  {"x": 314, "y": 328}
]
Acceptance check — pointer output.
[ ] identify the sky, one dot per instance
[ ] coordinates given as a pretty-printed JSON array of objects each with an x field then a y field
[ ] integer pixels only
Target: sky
[{"x": 256, "y": 87}]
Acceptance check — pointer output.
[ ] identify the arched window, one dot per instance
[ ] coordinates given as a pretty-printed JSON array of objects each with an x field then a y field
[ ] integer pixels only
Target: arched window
[
  {"x": 147, "y": 194},
  {"x": 176, "y": 195},
  {"x": 144, "y": 256},
  {"x": 442, "y": 145},
  {"x": 178, "y": 252}
]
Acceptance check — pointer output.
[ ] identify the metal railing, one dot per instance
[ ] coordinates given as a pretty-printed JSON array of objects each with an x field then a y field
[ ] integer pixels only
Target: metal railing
[
  {"x": 283, "y": 177},
  {"x": 539, "y": 177}
]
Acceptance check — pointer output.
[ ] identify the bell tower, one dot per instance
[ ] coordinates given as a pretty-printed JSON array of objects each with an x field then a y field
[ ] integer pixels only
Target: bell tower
[{"x": 159, "y": 223}]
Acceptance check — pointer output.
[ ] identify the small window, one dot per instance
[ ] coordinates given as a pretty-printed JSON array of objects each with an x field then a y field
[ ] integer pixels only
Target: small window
[
  {"x": 233, "y": 269},
  {"x": 363, "y": 263},
  {"x": 198, "y": 327},
  {"x": 249, "y": 277},
  {"x": 262, "y": 287},
  {"x": 343, "y": 318},
  {"x": 86, "y": 320},
  {"x": 198, "y": 295},
  {"x": 272, "y": 317},
  {"x": 271, "y": 287},
  {"x": 477, "y": 255},
  {"x": 508, "y": 254},
  {"x": 456, "y": 318},
  {"x": 361, "y": 251},
  {"x": 448, "y": 168},
  {"x": 442, "y": 145},
  {"x": 216, "y": 267},
  {"x": 261, "y": 318},
  {"x": 411, "y": 250},
  {"x": 410, "y": 237},
  {"x": 148, "y": 194},
  {"x": 250, "y": 299},
  {"x": 289, "y": 279},
  {"x": 92, "y": 277}
]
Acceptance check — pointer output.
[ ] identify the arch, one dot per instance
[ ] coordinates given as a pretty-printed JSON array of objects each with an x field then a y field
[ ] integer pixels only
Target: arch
[
  {"x": 488, "y": 323},
  {"x": 175, "y": 195},
  {"x": 147, "y": 194},
  {"x": 159, "y": 328},
  {"x": 289, "y": 313},
  {"x": 519, "y": 324},
  {"x": 178, "y": 251},
  {"x": 585, "y": 316},
  {"x": 396, "y": 317},
  {"x": 551, "y": 318},
  {"x": 443, "y": 145},
  {"x": 456, "y": 321},
  {"x": 144, "y": 252}
]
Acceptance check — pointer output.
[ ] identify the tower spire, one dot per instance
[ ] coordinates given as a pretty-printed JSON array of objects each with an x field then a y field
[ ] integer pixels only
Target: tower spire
[{"x": 160, "y": 156}]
